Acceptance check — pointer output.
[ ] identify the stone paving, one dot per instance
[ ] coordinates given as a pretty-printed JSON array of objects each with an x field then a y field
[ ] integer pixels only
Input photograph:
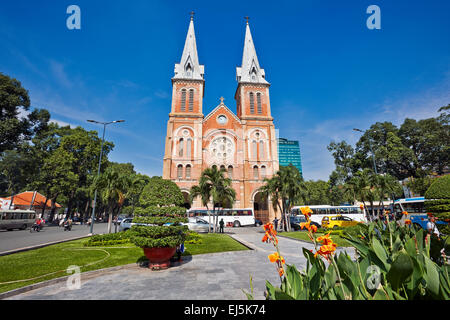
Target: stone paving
[{"x": 218, "y": 276}]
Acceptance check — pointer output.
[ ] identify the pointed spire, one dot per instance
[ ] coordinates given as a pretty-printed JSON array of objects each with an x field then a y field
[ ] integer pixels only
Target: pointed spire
[
  {"x": 189, "y": 66},
  {"x": 250, "y": 71}
]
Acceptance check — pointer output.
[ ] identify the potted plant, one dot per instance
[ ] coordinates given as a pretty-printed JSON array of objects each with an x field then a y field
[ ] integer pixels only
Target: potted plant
[{"x": 158, "y": 218}]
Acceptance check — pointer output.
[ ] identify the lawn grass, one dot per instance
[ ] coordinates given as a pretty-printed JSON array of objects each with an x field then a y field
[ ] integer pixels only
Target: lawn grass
[
  {"x": 52, "y": 261},
  {"x": 303, "y": 235}
]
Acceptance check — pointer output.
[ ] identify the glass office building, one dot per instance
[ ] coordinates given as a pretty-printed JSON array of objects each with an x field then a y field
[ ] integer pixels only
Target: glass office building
[{"x": 289, "y": 153}]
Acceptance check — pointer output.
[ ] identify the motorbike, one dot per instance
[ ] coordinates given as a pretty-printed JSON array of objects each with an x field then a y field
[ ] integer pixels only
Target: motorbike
[
  {"x": 67, "y": 227},
  {"x": 35, "y": 227}
]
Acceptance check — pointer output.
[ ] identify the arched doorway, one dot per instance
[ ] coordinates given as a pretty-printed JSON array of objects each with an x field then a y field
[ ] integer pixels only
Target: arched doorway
[
  {"x": 186, "y": 204},
  {"x": 261, "y": 208}
]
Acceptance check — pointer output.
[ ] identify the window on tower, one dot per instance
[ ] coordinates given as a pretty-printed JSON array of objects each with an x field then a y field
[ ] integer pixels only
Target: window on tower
[
  {"x": 255, "y": 173},
  {"x": 188, "y": 171},
  {"x": 230, "y": 172},
  {"x": 188, "y": 147},
  {"x": 180, "y": 171},
  {"x": 258, "y": 98},
  {"x": 263, "y": 172},
  {"x": 181, "y": 147},
  {"x": 191, "y": 100},
  {"x": 261, "y": 149},
  {"x": 183, "y": 100},
  {"x": 252, "y": 103}
]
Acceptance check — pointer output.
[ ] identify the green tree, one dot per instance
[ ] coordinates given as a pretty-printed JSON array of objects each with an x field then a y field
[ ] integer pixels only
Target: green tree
[
  {"x": 214, "y": 187},
  {"x": 316, "y": 192},
  {"x": 113, "y": 187},
  {"x": 285, "y": 188}
]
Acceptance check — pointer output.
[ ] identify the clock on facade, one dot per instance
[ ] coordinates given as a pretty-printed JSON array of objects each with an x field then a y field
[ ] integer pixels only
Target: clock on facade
[{"x": 222, "y": 119}]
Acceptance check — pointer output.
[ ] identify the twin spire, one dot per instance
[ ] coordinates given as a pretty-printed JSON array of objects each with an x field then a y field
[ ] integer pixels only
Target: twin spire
[{"x": 190, "y": 68}]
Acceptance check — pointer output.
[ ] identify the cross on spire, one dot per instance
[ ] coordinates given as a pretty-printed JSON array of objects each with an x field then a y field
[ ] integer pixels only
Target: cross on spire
[
  {"x": 221, "y": 100},
  {"x": 192, "y": 15},
  {"x": 246, "y": 18}
]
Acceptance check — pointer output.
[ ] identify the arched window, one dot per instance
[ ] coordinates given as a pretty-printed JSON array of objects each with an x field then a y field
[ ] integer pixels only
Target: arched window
[
  {"x": 183, "y": 100},
  {"x": 230, "y": 172},
  {"x": 255, "y": 173},
  {"x": 263, "y": 172},
  {"x": 222, "y": 168},
  {"x": 191, "y": 100},
  {"x": 188, "y": 171},
  {"x": 180, "y": 171},
  {"x": 188, "y": 147},
  {"x": 261, "y": 149},
  {"x": 181, "y": 147},
  {"x": 252, "y": 103},
  {"x": 258, "y": 99},
  {"x": 255, "y": 149}
]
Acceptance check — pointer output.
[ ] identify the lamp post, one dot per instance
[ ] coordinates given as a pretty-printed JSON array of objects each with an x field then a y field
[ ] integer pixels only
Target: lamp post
[
  {"x": 99, "y": 163},
  {"x": 371, "y": 150}
]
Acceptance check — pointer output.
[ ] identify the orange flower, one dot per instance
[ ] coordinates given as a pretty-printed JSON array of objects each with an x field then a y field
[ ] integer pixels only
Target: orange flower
[
  {"x": 281, "y": 271},
  {"x": 313, "y": 228},
  {"x": 275, "y": 257},
  {"x": 306, "y": 211},
  {"x": 405, "y": 213},
  {"x": 304, "y": 225},
  {"x": 324, "y": 238},
  {"x": 265, "y": 238},
  {"x": 361, "y": 206},
  {"x": 407, "y": 222}
]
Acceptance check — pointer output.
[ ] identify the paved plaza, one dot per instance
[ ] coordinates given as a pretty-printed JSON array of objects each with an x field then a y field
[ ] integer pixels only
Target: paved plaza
[{"x": 218, "y": 276}]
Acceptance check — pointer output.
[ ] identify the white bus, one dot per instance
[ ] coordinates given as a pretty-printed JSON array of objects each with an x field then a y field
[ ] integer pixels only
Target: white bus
[
  {"x": 318, "y": 212},
  {"x": 231, "y": 217},
  {"x": 16, "y": 219}
]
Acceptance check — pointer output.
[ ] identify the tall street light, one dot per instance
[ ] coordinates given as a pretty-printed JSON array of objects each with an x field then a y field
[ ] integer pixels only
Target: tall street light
[
  {"x": 99, "y": 163},
  {"x": 371, "y": 150}
]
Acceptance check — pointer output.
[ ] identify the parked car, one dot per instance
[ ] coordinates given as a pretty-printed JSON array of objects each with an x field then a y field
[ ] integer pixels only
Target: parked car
[
  {"x": 127, "y": 223},
  {"x": 332, "y": 222},
  {"x": 295, "y": 222},
  {"x": 199, "y": 225}
]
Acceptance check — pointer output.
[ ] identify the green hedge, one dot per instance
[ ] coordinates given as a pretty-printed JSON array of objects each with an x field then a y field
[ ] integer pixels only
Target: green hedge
[
  {"x": 439, "y": 201},
  {"x": 109, "y": 239}
]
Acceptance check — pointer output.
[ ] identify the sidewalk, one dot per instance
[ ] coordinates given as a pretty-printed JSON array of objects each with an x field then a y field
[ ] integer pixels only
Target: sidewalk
[{"x": 218, "y": 276}]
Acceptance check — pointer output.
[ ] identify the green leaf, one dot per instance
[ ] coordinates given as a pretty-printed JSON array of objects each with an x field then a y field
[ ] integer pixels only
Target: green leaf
[
  {"x": 431, "y": 276},
  {"x": 380, "y": 252},
  {"x": 401, "y": 269}
]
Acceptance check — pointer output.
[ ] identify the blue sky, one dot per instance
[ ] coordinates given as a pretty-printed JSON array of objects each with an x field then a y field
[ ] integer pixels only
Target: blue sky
[{"x": 328, "y": 72}]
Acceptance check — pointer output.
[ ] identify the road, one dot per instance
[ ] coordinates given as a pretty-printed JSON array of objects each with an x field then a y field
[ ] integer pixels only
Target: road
[{"x": 17, "y": 239}]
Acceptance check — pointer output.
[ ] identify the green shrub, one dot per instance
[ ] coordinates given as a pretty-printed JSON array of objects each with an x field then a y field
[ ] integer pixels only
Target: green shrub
[
  {"x": 438, "y": 201},
  {"x": 160, "y": 203},
  {"x": 193, "y": 238},
  {"x": 108, "y": 239}
]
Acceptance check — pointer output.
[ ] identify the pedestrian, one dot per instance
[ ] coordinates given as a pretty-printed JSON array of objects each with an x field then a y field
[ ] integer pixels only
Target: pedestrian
[
  {"x": 275, "y": 223},
  {"x": 221, "y": 223},
  {"x": 431, "y": 227}
]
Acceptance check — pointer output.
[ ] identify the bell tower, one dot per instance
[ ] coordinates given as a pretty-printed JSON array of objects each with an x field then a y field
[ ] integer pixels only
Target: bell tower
[
  {"x": 252, "y": 94},
  {"x": 184, "y": 128}
]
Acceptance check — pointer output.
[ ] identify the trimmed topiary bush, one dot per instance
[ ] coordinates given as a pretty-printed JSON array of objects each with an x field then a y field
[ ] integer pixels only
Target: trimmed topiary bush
[
  {"x": 438, "y": 201},
  {"x": 160, "y": 203}
]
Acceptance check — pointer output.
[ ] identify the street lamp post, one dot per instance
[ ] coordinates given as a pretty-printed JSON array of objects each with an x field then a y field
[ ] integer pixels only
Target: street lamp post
[{"x": 99, "y": 163}]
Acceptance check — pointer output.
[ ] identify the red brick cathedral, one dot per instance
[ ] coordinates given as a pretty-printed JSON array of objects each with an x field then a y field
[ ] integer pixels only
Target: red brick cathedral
[{"x": 243, "y": 143}]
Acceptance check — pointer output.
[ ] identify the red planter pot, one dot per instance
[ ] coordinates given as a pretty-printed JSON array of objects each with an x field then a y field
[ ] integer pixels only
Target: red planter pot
[{"x": 159, "y": 258}]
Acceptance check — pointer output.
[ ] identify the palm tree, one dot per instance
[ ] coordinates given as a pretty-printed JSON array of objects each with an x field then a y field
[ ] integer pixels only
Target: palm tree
[
  {"x": 285, "y": 188},
  {"x": 214, "y": 187},
  {"x": 113, "y": 188}
]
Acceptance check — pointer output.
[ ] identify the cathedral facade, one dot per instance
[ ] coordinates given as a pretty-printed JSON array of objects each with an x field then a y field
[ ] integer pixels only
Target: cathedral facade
[{"x": 244, "y": 144}]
